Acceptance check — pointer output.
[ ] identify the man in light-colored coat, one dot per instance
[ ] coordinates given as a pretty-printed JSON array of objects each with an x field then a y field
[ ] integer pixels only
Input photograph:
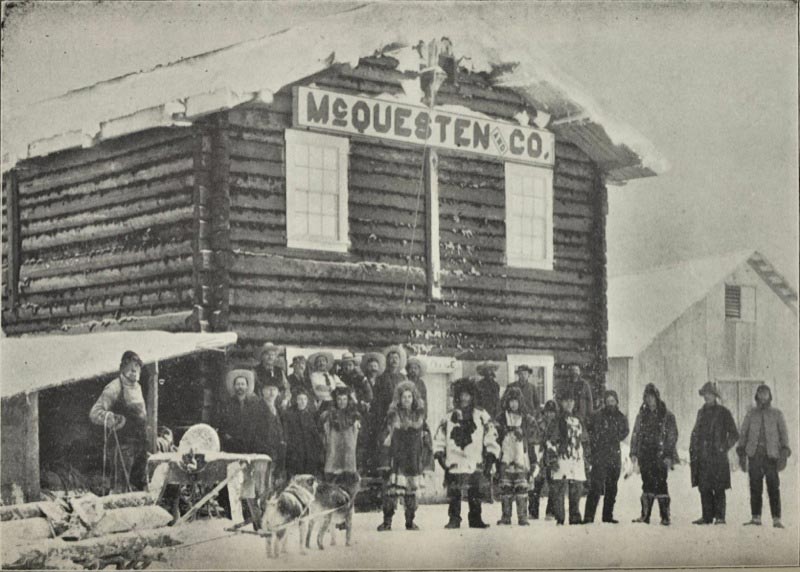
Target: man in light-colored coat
[{"x": 763, "y": 450}]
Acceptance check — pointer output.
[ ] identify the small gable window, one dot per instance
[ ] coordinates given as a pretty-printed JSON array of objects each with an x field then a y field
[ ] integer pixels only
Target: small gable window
[{"x": 740, "y": 303}]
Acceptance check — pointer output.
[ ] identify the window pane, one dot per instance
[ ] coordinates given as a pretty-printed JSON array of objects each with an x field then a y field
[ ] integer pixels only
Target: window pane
[
  {"x": 314, "y": 203},
  {"x": 329, "y": 226},
  {"x": 538, "y": 227},
  {"x": 315, "y": 157},
  {"x": 299, "y": 225},
  {"x": 527, "y": 206},
  {"x": 330, "y": 181},
  {"x": 315, "y": 225},
  {"x": 300, "y": 201},
  {"x": 315, "y": 179},
  {"x": 538, "y": 188},
  {"x": 527, "y": 186},
  {"x": 538, "y": 248},
  {"x": 329, "y": 205},
  {"x": 538, "y": 207},
  {"x": 300, "y": 178},
  {"x": 300, "y": 155},
  {"x": 331, "y": 158},
  {"x": 513, "y": 185}
]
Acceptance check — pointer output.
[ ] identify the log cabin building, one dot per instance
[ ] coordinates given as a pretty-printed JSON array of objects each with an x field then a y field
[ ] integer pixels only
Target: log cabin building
[{"x": 324, "y": 195}]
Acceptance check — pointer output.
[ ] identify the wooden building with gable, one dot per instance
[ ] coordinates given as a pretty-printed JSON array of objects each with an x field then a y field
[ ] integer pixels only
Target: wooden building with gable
[{"x": 345, "y": 193}]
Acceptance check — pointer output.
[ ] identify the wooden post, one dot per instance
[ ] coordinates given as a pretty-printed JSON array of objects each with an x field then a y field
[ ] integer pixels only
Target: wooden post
[
  {"x": 431, "y": 166},
  {"x": 152, "y": 408}
]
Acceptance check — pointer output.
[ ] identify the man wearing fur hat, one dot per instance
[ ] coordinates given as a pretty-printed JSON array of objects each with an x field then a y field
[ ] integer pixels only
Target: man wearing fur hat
[
  {"x": 763, "y": 451},
  {"x": 465, "y": 445},
  {"x": 323, "y": 381},
  {"x": 713, "y": 436},
  {"x": 405, "y": 453},
  {"x": 653, "y": 450},
  {"x": 530, "y": 398},
  {"x": 269, "y": 372},
  {"x": 607, "y": 428},
  {"x": 121, "y": 408},
  {"x": 581, "y": 392},
  {"x": 488, "y": 390}
]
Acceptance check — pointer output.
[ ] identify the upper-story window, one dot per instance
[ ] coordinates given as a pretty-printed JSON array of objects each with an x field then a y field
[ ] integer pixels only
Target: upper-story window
[
  {"x": 529, "y": 216},
  {"x": 316, "y": 191},
  {"x": 740, "y": 303}
]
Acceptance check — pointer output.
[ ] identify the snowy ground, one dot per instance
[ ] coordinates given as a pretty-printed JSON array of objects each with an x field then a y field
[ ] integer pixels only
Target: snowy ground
[{"x": 541, "y": 545}]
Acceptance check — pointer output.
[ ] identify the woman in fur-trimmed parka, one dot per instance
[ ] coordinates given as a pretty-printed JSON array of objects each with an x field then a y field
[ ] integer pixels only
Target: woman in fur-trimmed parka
[
  {"x": 406, "y": 451},
  {"x": 515, "y": 433}
]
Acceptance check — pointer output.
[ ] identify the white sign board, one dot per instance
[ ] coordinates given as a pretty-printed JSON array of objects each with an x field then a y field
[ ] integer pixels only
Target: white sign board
[{"x": 416, "y": 124}]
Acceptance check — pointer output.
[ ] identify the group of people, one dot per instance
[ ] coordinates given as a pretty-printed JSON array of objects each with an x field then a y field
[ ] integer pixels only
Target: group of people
[{"x": 341, "y": 420}]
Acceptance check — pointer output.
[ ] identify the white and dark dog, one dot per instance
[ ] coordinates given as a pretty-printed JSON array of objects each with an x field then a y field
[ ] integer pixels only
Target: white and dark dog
[
  {"x": 336, "y": 506},
  {"x": 291, "y": 505}
]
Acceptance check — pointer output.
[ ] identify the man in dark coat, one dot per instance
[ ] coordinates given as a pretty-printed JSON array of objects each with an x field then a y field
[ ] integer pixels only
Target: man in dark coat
[
  {"x": 713, "y": 436},
  {"x": 653, "y": 449},
  {"x": 607, "y": 428},
  {"x": 488, "y": 390},
  {"x": 528, "y": 389},
  {"x": 242, "y": 423},
  {"x": 763, "y": 451},
  {"x": 581, "y": 392},
  {"x": 385, "y": 387},
  {"x": 354, "y": 378},
  {"x": 304, "y": 451}
]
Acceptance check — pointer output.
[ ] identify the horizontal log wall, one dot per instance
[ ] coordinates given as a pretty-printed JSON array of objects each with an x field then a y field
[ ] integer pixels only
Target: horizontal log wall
[
  {"x": 106, "y": 234},
  {"x": 356, "y": 300}
]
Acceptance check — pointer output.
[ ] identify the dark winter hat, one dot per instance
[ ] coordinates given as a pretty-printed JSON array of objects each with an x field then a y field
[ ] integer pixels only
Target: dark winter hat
[
  {"x": 464, "y": 385},
  {"x": 524, "y": 367},
  {"x": 610, "y": 393},
  {"x": 651, "y": 389},
  {"x": 766, "y": 387},
  {"x": 710, "y": 387},
  {"x": 337, "y": 391},
  {"x": 128, "y": 357},
  {"x": 550, "y": 406},
  {"x": 513, "y": 393}
]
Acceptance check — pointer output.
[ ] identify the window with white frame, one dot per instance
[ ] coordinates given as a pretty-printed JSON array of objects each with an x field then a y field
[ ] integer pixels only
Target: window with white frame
[
  {"x": 542, "y": 376},
  {"x": 529, "y": 216},
  {"x": 316, "y": 191}
]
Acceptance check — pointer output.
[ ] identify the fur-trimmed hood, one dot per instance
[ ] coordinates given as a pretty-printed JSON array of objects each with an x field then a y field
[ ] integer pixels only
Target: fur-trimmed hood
[{"x": 399, "y": 418}]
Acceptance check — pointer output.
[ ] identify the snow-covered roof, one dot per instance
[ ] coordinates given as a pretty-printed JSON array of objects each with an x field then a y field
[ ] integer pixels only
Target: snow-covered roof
[
  {"x": 643, "y": 304},
  {"x": 177, "y": 93},
  {"x": 31, "y": 364}
]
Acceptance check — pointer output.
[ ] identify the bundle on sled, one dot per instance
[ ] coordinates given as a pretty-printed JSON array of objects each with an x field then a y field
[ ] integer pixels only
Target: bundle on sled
[{"x": 127, "y": 530}]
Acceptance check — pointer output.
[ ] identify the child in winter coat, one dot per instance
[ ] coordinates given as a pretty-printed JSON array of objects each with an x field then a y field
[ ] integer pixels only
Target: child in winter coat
[
  {"x": 340, "y": 426},
  {"x": 566, "y": 439},
  {"x": 406, "y": 452},
  {"x": 544, "y": 426},
  {"x": 465, "y": 445},
  {"x": 517, "y": 456}
]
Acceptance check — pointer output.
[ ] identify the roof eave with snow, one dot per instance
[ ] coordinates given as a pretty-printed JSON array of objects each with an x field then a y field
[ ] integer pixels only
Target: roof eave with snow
[{"x": 178, "y": 93}]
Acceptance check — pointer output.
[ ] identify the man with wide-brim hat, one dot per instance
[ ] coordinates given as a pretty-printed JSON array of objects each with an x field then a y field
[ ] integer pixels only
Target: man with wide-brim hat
[
  {"x": 713, "y": 436},
  {"x": 354, "y": 378},
  {"x": 530, "y": 396},
  {"x": 323, "y": 381},
  {"x": 385, "y": 386},
  {"x": 270, "y": 371},
  {"x": 488, "y": 397},
  {"x": 373, "y": 365}
]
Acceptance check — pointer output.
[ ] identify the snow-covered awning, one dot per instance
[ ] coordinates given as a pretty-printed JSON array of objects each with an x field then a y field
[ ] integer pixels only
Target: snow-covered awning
[
  {"x": 253, "y": 70},
  {"x": 35, "y": 363}
]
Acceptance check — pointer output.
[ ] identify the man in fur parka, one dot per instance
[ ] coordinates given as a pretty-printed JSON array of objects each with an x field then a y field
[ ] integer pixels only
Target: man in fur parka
[
  {"x": 515, "y": 428},
  {"x": 465, "y": 445},
  {"x": 607, "y": 428},
  {"x": 653, "y": 450},
  {"x": 406, "y": 451}
]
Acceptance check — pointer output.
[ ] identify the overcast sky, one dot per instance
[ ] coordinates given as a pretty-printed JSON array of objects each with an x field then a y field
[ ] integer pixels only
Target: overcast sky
[{"x": 713, "y": 86}]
